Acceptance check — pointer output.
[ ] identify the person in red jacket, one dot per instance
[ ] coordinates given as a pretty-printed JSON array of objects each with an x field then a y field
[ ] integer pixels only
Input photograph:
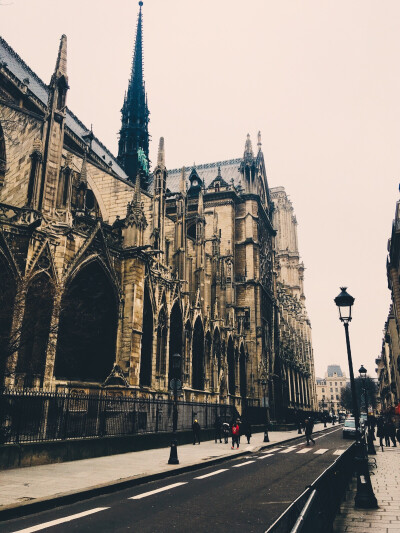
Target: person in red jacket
[{"x": 235, "y": 434}]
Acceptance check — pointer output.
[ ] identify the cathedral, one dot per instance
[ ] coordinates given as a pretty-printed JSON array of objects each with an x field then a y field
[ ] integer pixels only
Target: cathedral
[{"x": 109, "y": 268}]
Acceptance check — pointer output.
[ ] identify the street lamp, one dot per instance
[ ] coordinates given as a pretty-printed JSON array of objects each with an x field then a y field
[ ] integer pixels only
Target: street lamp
[
  {"x": 365, "y": 496},
  {"x": 370, "y": 436},
  {"x": 175, "y": 385},
  {"x": 323, "y": 412},
  {"x": 264, "y": 387},
  {"x": 298, "y": 413}
]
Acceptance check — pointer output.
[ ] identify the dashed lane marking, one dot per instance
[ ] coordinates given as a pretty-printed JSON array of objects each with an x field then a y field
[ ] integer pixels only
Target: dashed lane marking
[
  {"x": 162, "y": 489},
  {"x": 321, "y": 451},
  {"x": 61, "y": 520},
  {"x": 243, "y": 464},
  {"x": 266, "y": 455},
  {"x": 304, "y": 450},
  {"x": 338, "y": 452},
  {"x": 272, "y": 450},
  {"x": 212, "y": 473}
]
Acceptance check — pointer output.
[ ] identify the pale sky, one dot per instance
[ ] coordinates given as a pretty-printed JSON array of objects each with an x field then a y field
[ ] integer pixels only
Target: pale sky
[{"x": 320, "y": 79}]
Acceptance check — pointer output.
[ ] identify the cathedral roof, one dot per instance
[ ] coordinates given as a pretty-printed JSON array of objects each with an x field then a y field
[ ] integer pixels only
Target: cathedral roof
[
  {"x": 207, "y": 172},
  {"x": 18, "y": 68}
]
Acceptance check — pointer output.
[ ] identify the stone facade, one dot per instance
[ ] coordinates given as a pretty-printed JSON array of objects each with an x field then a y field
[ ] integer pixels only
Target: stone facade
[
  {"x": 329, "y": 388},
  {"x": 103, "y": 278}
]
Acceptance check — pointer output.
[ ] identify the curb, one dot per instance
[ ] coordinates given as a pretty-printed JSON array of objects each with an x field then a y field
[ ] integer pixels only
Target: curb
[{"x": 19, "y": 510}]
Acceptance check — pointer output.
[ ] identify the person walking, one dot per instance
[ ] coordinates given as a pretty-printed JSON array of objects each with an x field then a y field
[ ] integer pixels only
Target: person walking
[
  {"x": 380, "y": 433},
  {"x": 386, "y": 432},
  {"x": 218, "y": 428},
  {"x": 225, "y": 432},
  {"x": 308, "y": 429},
  {"x": 392, "y": 431},
  {"x": 196, "y": 432},
  {"x": 246, "y": 430},
  {"x": 235, "y": 434}
]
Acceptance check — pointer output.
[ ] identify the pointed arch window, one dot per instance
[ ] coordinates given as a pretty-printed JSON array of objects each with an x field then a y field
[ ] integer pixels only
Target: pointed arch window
[{"x": 161, "y": 343}]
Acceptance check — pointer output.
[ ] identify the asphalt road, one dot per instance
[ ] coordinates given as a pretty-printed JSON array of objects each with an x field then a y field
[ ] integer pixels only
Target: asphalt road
[{"x": 245, "y": 494}]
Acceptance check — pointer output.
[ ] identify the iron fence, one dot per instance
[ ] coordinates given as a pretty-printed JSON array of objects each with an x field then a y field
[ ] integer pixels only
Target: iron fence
[
  {"x": 315, "y": 509},
  {"x": 33, "y": 416}
]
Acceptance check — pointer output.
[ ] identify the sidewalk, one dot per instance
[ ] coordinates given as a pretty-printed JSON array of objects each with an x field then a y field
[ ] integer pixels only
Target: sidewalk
[
  {"x": 386, "y": 484},
  {"x": 47, "y": 485}
]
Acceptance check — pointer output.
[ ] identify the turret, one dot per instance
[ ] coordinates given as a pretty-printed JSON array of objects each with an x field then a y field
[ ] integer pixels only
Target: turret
[{"x": 160, "y": 180}]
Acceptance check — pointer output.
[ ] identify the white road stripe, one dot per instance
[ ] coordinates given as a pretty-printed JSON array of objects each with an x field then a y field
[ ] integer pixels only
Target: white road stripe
[
  {"x": 338, "y": 452},
  {"x": 304, "y": 450},
  {"x": 212, "y": 473},
  {"x": 321, "y": 451},
  {"x": 287, "y": 450},
  {"x": 243, "y": 464},
  {"x": 271, "y": 450},
  {"x": 266, "y": 455},
  {"x": 60, "y": 520},
  {"x": 168, "y": 487}
]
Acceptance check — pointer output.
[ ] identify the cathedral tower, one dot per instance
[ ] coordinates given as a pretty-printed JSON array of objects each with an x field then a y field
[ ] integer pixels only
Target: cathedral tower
[{"x": 133, "y": 147}]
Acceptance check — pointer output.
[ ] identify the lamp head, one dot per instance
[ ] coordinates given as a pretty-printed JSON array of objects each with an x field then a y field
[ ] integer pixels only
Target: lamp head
[
  {"x": 363, "y": 371},
  {"x": 344, "y": 301}
]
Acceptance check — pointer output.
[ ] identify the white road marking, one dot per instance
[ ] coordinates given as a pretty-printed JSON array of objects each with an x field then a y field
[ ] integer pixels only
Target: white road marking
[
  {"x": 321, "y": 451},
  {"x": 287, "y": 450},
  {"x": 243, "y": 464},
  {"x": 266, "y": 455},
  {"x": 60, "y": 520},
  {"x": 271, "y": 450},
  {"x": 338, "y": 452},
  {"x": 304, "y": 450},
  {"x": 168, "y": 487},
  {"x": 212, "y": 473}
]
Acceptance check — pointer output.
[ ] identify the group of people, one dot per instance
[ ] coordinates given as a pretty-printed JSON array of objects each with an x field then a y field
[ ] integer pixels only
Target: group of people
[
  {"x": 386, "y": 430},
  {"x": 224, "y": 430}
]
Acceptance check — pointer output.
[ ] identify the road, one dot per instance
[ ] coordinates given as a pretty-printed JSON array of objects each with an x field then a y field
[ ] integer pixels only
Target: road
[{"x": 244, "y": 494}]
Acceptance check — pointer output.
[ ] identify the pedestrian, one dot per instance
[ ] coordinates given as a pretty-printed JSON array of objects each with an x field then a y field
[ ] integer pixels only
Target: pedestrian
[
  {"x": 218, "y": 427},
  {"x": 239, "y": 423},
  {"x": 196, "y": 432},
  {"x": 225, "y": 431},
  {"x": 246, "y": 429},
  {"x": 386, "y": 432},
  {"x": 308, "y": 429},
  {"x": 235, "y": 434},
  {"x": 380, "y": 433},
  {"x": 392, "y": 431},
  {"x": 398, "y": 435}
]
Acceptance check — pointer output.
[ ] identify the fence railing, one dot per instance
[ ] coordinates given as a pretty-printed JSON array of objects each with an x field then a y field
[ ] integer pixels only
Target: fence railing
[
  {"x": 33, "y": 416},
  {"x": 315, "y": 509}
]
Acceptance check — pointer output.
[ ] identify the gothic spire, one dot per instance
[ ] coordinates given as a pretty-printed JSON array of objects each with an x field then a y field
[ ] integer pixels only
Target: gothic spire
[
  {"x": 161, "y": 153},
  {"x": 133, "y": 148},
  {"x": 259, "y": 141},
  {"x": 248, "y": 150}
]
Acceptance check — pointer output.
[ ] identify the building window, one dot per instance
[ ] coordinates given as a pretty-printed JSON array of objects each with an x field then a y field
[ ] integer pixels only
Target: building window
[
  {"x": 331, "y": 389},
  {"x": 337, "y": 396},
  {"x": 336, "y": 389},
  {"x": 331, "y": 396},
  {"x": 323, "y": 390}
]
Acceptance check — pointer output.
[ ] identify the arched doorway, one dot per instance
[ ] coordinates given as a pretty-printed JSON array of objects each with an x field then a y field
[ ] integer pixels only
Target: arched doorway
[
  {"x": 217, "y": 350},
  {"x": 35, "y": 330},
  {"x": 88, "y": 327},
  {"x": 147, "y": 341},
  {"x": 231, "y": 367},
  {"x": 208, "y": 360},
  {"x": 7, "y": 300},
  {"x": 175, "y": 339},
  {"x": 243, "y": 378},
  {"x": 198, "y": 356}
]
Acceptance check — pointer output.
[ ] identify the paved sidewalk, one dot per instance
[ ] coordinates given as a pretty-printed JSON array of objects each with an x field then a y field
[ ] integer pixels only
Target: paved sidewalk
[
  {"x": 386, "y": 484},
  {"x": 21, "y": 486}
]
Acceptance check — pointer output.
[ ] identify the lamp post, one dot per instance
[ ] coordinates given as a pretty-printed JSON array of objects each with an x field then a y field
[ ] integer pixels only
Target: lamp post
[
  {"x": 370, "y": 436},
  {"x": 264, "y": 387},
  {"x": 323, "y": 412},
  {"x": 175, "y": 385},
  {"x": 365, "y": 496}
]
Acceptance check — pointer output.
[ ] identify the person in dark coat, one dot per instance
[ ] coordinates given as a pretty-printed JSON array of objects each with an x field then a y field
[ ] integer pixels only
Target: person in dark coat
[
  {"x": 386, "y": 432},
  {"x": 235, "y": 434},
  {"x": 380, "y": 433},
  {"x": 196, "y": 432},
  {"x": 392, "y": 431},
  {"x": 246, "y": 430},
  {"x": 398, "y": 435},
  {"x": 218, "y": 427},
  {"x": 308, "y": 429}
]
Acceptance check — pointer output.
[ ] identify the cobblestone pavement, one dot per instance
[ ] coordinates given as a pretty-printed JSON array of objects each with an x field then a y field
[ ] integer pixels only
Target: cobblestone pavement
[{"x": 386, "y": 484}]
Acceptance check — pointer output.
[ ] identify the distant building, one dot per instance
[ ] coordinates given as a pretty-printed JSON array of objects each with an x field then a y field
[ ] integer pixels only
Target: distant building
[{"x": 329, "y": 387}]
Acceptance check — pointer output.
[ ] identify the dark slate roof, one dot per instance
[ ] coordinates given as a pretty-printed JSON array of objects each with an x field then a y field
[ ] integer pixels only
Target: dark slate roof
[
  {"x": 334, "y": 368},
  {"x": 38, "y": 88},
  {"x": 207, "y": 172}
]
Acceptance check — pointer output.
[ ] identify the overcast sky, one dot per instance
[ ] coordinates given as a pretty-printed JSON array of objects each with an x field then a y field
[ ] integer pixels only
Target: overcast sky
[{"x": 320, "y": 79}]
